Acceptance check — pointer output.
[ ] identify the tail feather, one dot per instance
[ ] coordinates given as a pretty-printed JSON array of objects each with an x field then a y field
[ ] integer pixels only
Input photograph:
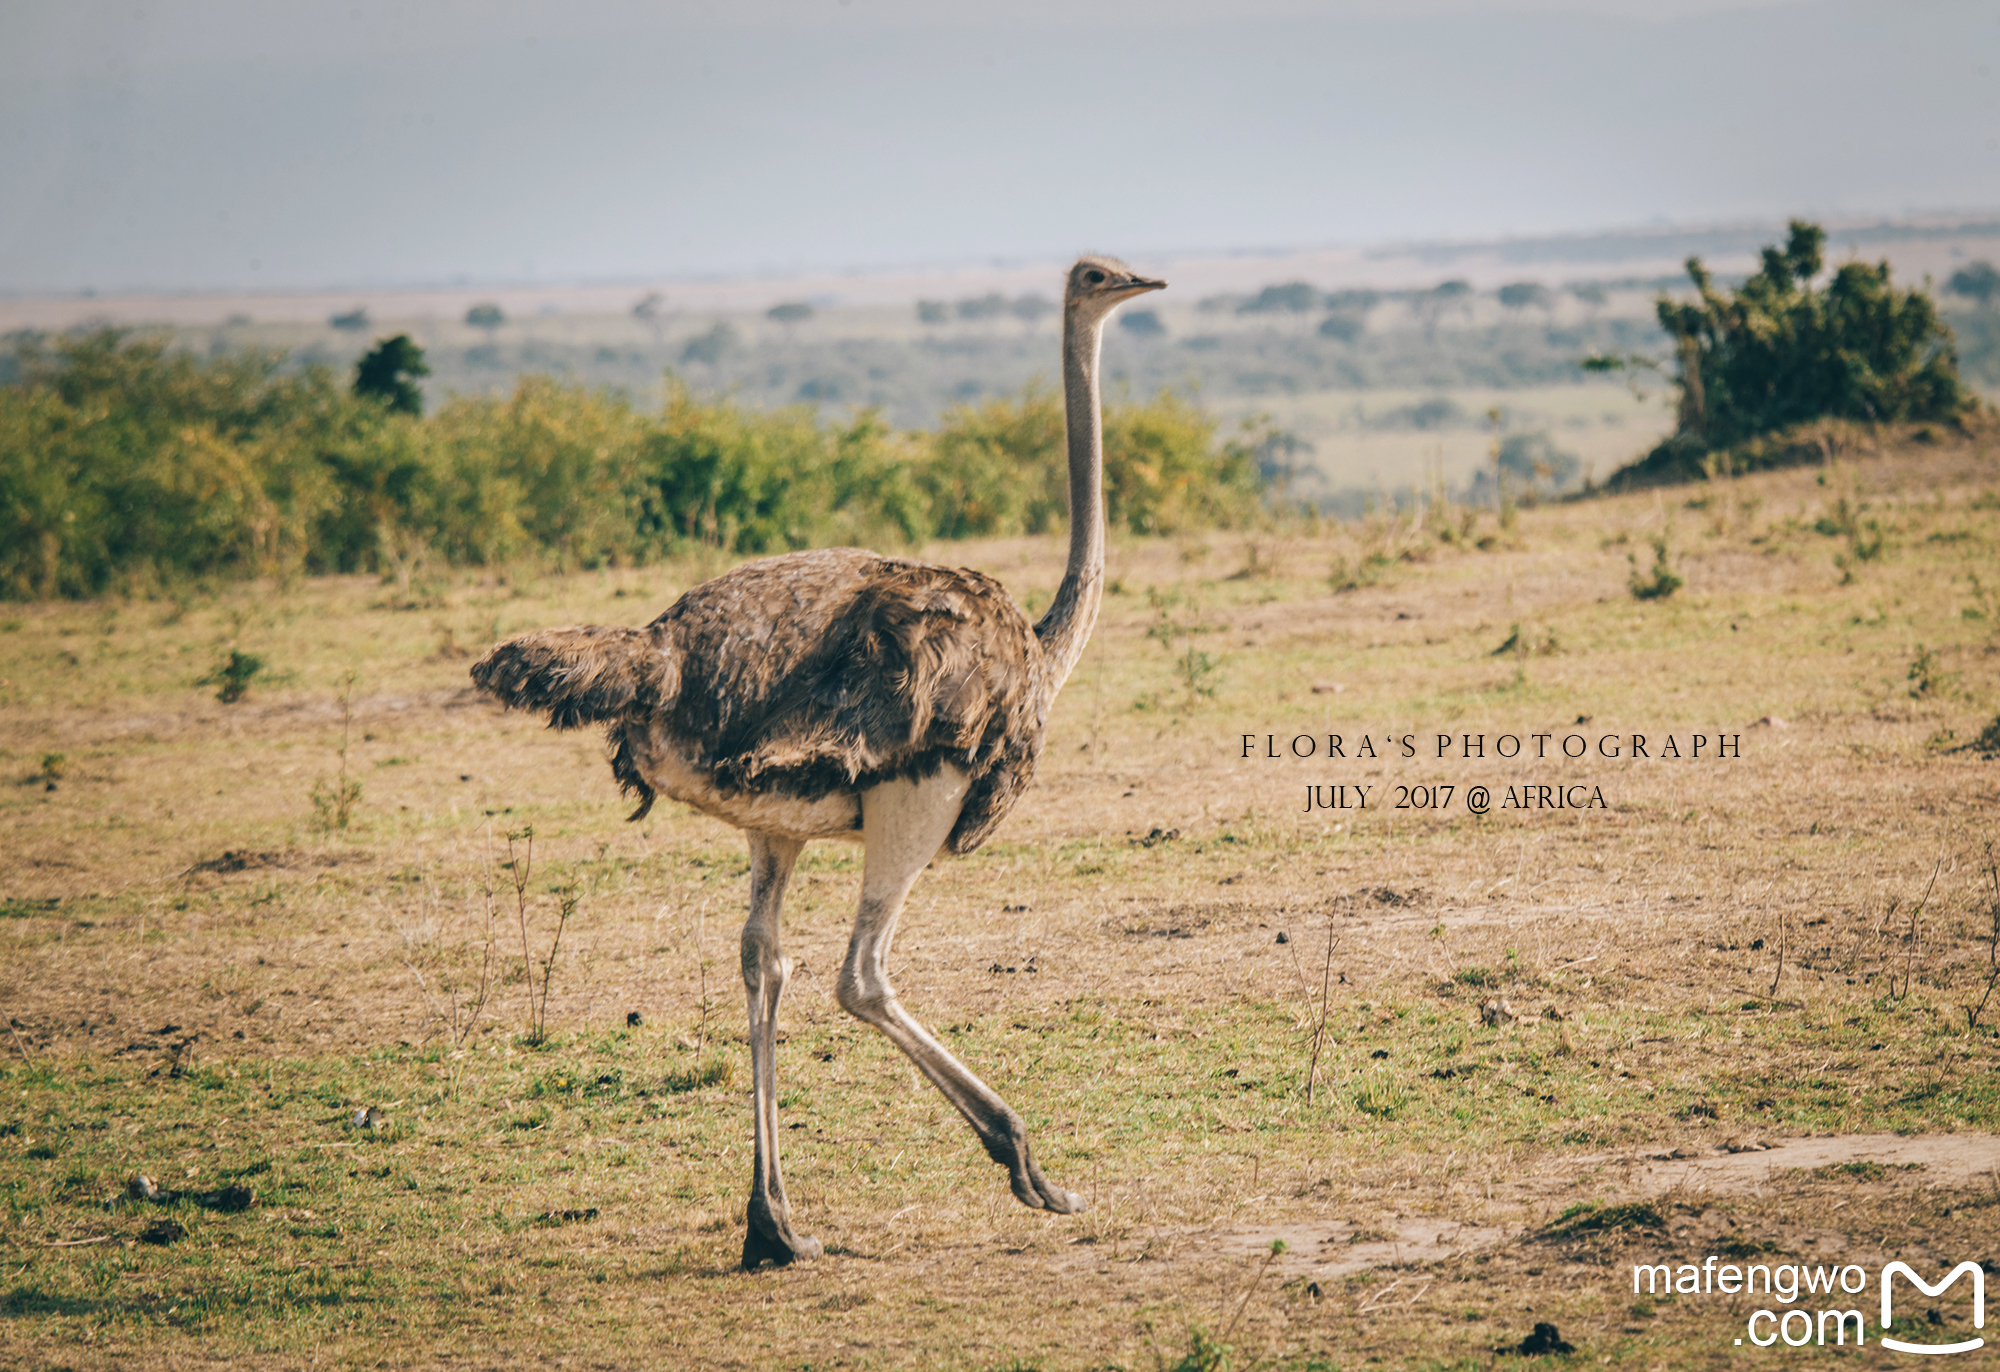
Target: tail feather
[{"x": 589, "y": 675}]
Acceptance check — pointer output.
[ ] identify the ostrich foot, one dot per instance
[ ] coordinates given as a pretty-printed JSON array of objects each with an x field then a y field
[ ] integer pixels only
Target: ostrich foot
[
  {"x": 769, "y": 1238},
  {"x": 1037, "y": 1192}
]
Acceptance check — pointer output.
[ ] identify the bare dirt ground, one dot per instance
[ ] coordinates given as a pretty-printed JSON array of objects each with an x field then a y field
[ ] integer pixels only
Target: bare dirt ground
[{"x": 1471, "y": 1069}]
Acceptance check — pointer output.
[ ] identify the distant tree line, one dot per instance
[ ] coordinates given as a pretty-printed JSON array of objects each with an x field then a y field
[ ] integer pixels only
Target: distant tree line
[
  {"x": 125, "y": 464},
  {"x": 1027, "y": 308}
]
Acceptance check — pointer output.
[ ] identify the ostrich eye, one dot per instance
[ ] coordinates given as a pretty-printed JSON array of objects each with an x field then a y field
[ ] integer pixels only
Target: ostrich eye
[{"x": 1094, "y": 277}]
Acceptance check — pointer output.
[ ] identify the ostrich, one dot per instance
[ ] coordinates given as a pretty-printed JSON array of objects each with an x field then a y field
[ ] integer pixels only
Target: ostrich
[{"x": 845, "y": 695}]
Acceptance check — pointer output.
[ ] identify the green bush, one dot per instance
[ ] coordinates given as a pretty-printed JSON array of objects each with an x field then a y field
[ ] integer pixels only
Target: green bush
[
  {"x": 1778, "y": 352},
  {"x": 119, "y": 459},
  {"x": 123, "y": 464}
]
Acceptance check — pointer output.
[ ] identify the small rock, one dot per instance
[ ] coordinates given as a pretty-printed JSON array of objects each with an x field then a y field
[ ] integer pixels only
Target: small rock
[
  {"x": 142, "y": 1188},
  {"x": 1328, "y": 688},
  {"x": 163, "y": 1232},
  {"x": 368, "y": 1117},
  {"x": 1771, "y": 722},
  {"x": 633, "y": 1019},
  {"x": 1551, "y": 1013},
  {"x": 1284, "y": 937},
  {"x": 1496, "y": 1011}
]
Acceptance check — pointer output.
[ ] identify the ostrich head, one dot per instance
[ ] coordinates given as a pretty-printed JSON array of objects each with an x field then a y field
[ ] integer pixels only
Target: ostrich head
[{"x": 1097, "y": 285}]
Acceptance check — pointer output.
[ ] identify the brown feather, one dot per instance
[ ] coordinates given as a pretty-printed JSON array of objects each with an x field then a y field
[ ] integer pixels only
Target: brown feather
[{"x": 804, "y": 675}]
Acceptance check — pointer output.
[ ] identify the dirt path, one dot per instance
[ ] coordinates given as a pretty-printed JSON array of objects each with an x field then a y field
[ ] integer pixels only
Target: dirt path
[{"x": 1328, "y": 1250}]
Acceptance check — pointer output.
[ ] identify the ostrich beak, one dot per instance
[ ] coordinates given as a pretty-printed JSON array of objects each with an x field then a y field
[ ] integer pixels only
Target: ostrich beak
[{"x": 1140, "y": 284}]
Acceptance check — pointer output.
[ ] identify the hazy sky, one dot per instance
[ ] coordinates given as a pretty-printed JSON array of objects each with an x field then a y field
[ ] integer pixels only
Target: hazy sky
[{"x": 234, "y": 143}]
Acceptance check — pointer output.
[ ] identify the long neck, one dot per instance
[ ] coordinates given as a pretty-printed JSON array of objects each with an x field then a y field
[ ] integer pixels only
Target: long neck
[{"x": 1067, "y": 625}]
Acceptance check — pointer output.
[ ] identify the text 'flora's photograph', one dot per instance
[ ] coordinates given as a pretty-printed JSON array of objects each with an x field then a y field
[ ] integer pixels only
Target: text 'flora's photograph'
[{"x": 1302, "y": 685}]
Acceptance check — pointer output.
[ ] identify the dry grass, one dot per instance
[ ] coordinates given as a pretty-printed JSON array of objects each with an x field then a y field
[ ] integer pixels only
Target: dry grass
[{"x": 206, "y": 984}]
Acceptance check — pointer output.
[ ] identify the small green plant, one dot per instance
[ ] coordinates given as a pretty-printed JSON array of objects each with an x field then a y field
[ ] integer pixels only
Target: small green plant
[
  {"x": 1325, "y": 1001},
  {"x": 455, "y": 997},
  {"x": 333, "y": 803},
  {"x": 519, "y": 866},
  {"x": 1199, "y": 671},
  {"x": 1864, "y": 541},
  {"x": 1659, "y": 583},
  {"x": 1589, "y": 1218},
  {"x": 1992, "y": 873},
  {"x": 715, "y": 1070},
  {"x": 1351, "y": 574},
  {"x": 1985, "y": 606},
  {"x": 1531, "y": 643},
  {"x": 233, "y": 675},
  {"x": 54, "y": 765},
  {"x": 1926, "y": 675},
  {"x": 1380, "y": 1097}
]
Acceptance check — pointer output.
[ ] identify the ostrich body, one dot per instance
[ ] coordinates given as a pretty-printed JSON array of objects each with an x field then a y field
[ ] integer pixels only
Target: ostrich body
[{"x": 841, "y": 694}]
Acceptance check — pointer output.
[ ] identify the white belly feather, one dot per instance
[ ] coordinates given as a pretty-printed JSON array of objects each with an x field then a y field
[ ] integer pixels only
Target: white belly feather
[{"x": 837, "y": 815}]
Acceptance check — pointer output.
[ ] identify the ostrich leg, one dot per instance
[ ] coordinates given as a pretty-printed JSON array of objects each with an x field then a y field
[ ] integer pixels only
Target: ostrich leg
[
  {"x": 904, "y": 823},
  {"x": 770, "y": 1237}
]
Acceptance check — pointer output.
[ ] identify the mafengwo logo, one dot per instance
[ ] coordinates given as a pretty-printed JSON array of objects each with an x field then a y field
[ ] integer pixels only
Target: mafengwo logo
[
  {"x": 1813, "y": 1297},
  {"x": 1971, "y": 1269}
]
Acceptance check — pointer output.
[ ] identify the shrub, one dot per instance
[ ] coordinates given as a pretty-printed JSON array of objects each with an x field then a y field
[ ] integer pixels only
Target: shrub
[
  {"x": 233, "y": 675},
  {"x": 1779, "y": 352},
  {"x": 124, "y": 463},
  {"x": 1660, "y": 582}
]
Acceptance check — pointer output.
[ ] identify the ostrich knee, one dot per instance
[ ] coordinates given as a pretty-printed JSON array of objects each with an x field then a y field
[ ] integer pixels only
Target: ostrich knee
[
  {"x": 766, "y": 972},
  {"x": 864, "y": 994}
]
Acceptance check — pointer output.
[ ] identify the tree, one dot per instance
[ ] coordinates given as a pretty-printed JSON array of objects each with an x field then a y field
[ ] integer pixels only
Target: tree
[
  {"x": 354, "y": 321},
  {"x": 987, "y": 306},
  {"x": 1429, "y": 306},
  {"x": 1348, "y": 310},
  {"x": 1975, "y": 281},
  {"x": 388, "y": 373},
  {"x": 932, "y": 312},
  {"x": 709, "y": 347},
  {"x": 486, "y": 315},
  {"x": 1142, "y": 323},
  {"x": 790, "y": 313},
  {"x": 649, "y": 310},
  {"x": 1520, "y": 295},
  {"x": 1293, "y": 297},
  {"x": 1030, "y": 309}
]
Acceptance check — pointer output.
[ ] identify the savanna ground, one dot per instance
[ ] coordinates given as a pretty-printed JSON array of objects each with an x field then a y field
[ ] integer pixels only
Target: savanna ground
[{"x": 1540, "y": 1031}]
